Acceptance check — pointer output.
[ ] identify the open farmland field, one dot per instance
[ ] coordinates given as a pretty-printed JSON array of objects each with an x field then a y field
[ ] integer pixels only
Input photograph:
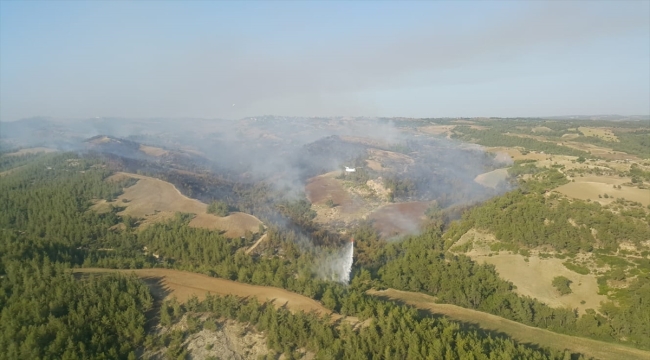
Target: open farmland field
[
  {"x": 519, "y": 332},
  {"x": 591, "y": 187},
  {"x": 155, "y": 200},
  {"x": 168, "y": 283},
  {"x": 153, "y": 151},
  {"x": 603, "y": 133},
  {"x": 34, "y": 150},
  {"x": 493, "y": 178},
  {"x": 534, "y": 277},
  {"x": 347, "y": 206}
]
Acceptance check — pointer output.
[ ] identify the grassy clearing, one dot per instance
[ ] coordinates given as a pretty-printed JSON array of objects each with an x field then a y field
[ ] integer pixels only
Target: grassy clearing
[
  {"x": 602, "y": 133},
  {"x": 533, "y": 275},
  {"x": 154, "y": 200}
]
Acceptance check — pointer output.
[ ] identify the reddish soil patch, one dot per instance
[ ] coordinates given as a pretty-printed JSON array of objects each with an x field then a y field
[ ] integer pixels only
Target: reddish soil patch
[
  {"x": 321, "y": 188},
  {"x": 399, "y": 219}
]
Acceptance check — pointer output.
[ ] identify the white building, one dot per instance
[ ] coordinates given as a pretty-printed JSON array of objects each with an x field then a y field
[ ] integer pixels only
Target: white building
[{"x": 347, "y": 169}]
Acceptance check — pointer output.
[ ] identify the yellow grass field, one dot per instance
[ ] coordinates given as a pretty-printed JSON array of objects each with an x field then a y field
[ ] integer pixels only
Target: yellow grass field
[
  {"x": 33, "y": 150},
  {"x": 153, "y": 151},
  {"x": 534, "y": 277},
  {"x": 603, "y": 133},
  {"x": 519, "y": 332},
  {"x": 493, "y": 178},
  {"x": 155, "y": 200},
  {"x": 183, "y": 285},
  {"x": 437, "y": 129},
  {"x": 589, "y": 187}
]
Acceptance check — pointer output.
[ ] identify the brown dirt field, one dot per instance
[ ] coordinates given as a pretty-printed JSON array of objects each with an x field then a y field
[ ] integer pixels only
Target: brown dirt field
[
  {"x": 155, "y": 200},
  {"x": 436, "y": 129},
  {"x": 378, "y": 155},
  {"x": 374, "y": 165},
  {"x": 399, "y": 219},
  {"x": 168, "y": 283},
  {"x": 323, "y": 187},
  {"x": 570, "y": 136},
  {"x": 493, "y": 178},
  {"x": 534, "y": 278},
  {"x": 365, "y": 141},
  {"x": 519, "y": 332},
  {"x": 33, "y": 150},
  {"x": 153, "y": 151},
  {"x": 590, "y": 187}
]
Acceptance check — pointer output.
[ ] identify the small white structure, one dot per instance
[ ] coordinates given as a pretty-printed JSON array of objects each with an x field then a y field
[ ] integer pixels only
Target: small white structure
[{"x": 347, "y": 169}]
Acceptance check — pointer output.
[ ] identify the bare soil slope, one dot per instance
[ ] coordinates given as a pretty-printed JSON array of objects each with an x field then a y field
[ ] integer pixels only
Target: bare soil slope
[
  {"x": 33, "y": 150},
  {"x": 155, "y": 200},
  {"x": 519, "y": 332},
  {"x": 167, "y": 283}
]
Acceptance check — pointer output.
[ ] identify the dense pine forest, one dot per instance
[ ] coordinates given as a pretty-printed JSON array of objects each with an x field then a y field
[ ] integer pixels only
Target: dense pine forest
[{"x": 47, "y": 228}]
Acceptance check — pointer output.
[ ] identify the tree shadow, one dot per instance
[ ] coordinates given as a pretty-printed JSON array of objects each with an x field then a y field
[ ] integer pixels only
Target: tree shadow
[{"x": 159, "y": 291}]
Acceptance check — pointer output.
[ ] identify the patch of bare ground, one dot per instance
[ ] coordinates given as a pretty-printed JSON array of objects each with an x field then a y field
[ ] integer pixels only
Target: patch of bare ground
[
  {"x": 399, "y": 219},
  {"x": 365, "y": 141},
  {"x": 153, "y": 151},
  {"x": 383, "y": 155},
  {"x": 155, "y": 200},
  {"x": 436, "y": 129},
  {"x": 229, "y": 340},
  {"x": 493, "y": 178},
  {"x": 34, "y": 150},
  {"x": 519, "y": 332},
  {"x": 541, "y": 129},
  {"x": 184, "y": 284},
  {"x": 348, "y": 205}
]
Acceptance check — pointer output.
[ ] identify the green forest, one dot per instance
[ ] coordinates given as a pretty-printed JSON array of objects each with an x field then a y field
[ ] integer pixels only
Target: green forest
[{"x": 47, "y": 228}]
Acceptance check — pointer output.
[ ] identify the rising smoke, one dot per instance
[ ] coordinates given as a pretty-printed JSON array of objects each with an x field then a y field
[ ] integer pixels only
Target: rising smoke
[
  {"x": 284, "y": 153},
  {"x": 337, "y": 265}
]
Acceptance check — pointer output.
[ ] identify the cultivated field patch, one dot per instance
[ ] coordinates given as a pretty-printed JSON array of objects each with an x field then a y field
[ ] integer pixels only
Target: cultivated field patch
[
  {"x": 168, "y": 283},
  {"x": 34, "y": 150},
  {"x": 602, "y": 133},
  {"x": 594, "y": 188},
  {"x": 493, "y": 178},
  {"x": 154, "y": 200},
  {"x": 534, "y": 277},
  {"x": 153, "y": 151}
]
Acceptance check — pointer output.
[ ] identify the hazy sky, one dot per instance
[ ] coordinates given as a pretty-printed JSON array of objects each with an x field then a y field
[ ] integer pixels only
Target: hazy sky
[{"x": 413, "y": 59}]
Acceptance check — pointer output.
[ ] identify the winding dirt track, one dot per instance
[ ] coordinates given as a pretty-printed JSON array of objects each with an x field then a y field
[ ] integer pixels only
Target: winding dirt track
[{"x": 519, "y": 332}]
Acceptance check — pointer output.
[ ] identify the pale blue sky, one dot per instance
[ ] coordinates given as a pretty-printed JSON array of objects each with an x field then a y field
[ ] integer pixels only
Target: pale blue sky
[{"x": 415, "y": 59}]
